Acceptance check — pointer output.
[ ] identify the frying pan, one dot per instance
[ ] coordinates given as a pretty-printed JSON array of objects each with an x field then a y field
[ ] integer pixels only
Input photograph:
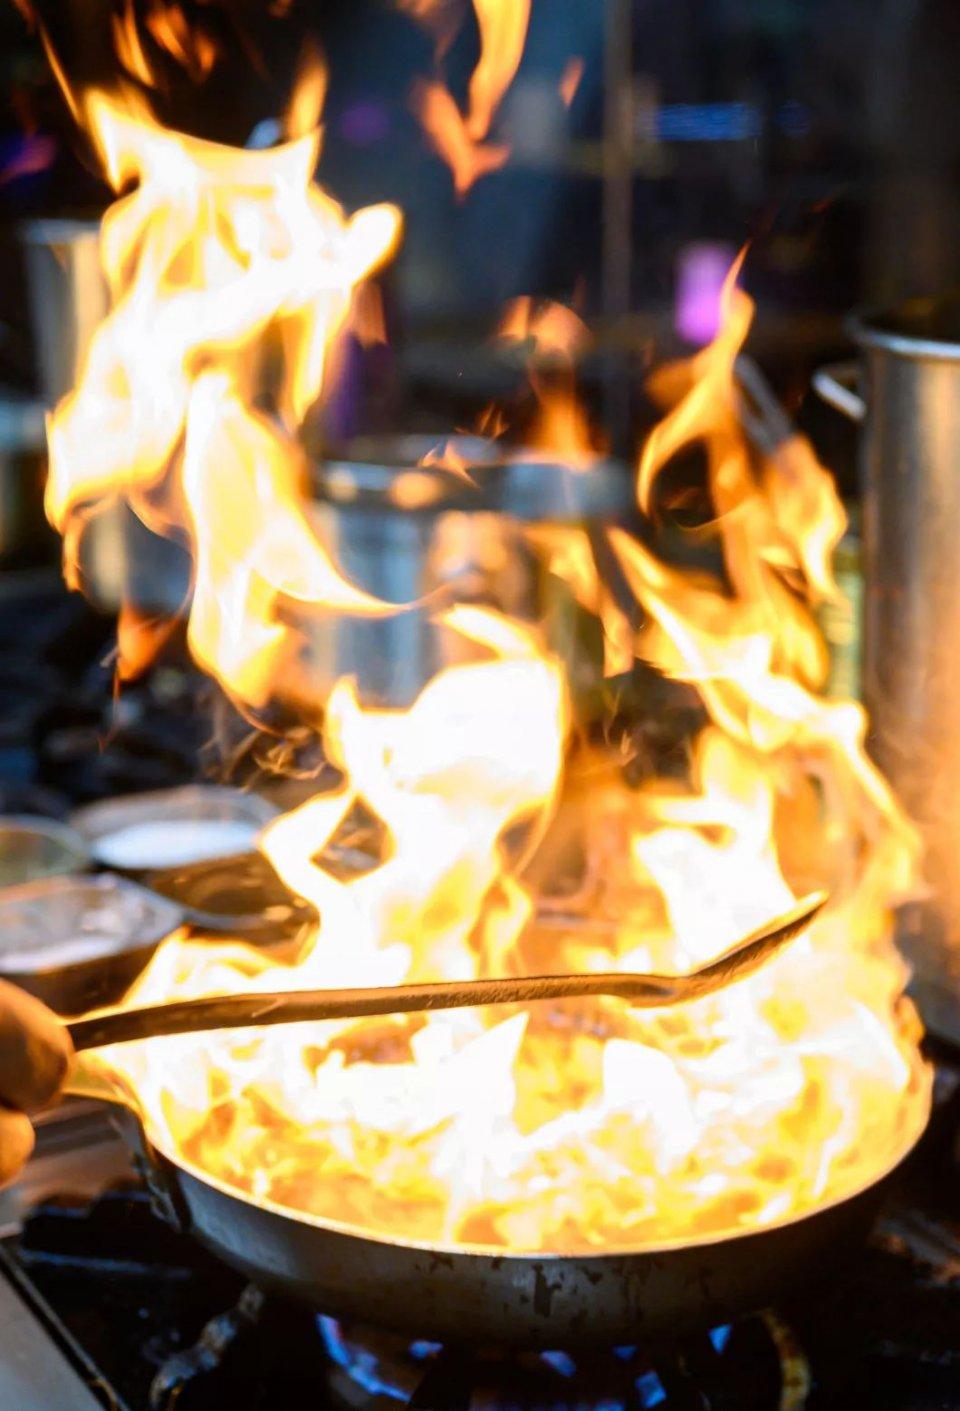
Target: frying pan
[{"x": 654, "y": 1294}]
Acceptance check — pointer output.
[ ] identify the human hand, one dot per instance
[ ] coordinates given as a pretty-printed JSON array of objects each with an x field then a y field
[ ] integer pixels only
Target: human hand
[{"x": 35, "y": 1058}]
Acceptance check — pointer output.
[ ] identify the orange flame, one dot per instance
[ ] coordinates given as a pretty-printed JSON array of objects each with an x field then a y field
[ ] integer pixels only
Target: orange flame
[
  {"x": 444, "y": 124},
  {"x": 309, "y": 92},
  {"x": 129, "y": 45},
  {"x": 459, "y": 139},
  {"x": 503, "y": 32},
  {"x": 570, "y": 80},
  {"x": 561, "y": 428},
  {"x": 190, "y": 45},
  {"x": 498, "y": 840}
]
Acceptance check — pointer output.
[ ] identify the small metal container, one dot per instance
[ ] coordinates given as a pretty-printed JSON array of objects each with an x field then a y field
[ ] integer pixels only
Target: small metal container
[
  {"x": 78, "y": 943},
  {"x": 31, "y": 848},
  {"x": 166, "y": 828},
  {"x": 121, "y": 560}
]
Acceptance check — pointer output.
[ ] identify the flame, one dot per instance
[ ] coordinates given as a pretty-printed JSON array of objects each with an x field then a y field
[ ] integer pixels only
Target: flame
[
  {"x": 443, "y": 122},
  {"x": 456, "y": 137},
  {"x": 570, "y": 79},
  {"x": 216, "y": 253},
  {"x": 309, "y": 92},
  {"x": 129, "y": 45},
  {"x": 189, "y": 45},
  {"x": 503, "y": 31},
  {"x": 555, "y": 336},
  {"x": 498, "y": 838},
  {"x": 192, "y": 47},
  {"x": 447, "y": 456}
]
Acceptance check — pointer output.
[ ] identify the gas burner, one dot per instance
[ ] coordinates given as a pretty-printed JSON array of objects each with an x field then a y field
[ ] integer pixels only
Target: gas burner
[
  {"x": 756, "y": 1363},
  {"x": 164, "y": 1325}
]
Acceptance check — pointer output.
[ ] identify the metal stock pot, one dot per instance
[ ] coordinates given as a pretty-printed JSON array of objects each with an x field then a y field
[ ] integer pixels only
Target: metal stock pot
[
  {"x": 906, "y": 393},
  {"x": 412, "y": 533}
]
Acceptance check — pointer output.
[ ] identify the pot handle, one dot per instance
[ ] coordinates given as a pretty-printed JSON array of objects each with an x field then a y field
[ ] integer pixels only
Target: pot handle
[{"x": 835, "y": 384}]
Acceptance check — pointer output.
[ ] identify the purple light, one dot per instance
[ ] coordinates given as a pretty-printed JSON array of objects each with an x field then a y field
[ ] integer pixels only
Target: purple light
[
  {"x": 701, "y": 269},
  {"x": 363, "y": 123},
  {"x": 28, "y": 155}
]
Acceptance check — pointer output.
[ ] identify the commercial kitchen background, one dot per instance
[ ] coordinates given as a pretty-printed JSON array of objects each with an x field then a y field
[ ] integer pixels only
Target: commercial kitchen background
[{"x": 825, "y": 130}]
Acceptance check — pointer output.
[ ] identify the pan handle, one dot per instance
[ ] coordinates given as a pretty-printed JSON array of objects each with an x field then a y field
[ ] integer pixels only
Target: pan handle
[{"x": 835, "y": 384}]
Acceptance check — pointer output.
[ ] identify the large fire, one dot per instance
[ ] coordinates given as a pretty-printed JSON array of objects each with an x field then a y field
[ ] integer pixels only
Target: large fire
[{"x": 510, "y": 840}]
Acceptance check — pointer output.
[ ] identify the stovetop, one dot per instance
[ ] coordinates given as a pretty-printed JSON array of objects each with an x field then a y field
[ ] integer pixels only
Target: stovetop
[
  {"x": 101, "y": 1305},
  {"x": 122, "y": 1313}
]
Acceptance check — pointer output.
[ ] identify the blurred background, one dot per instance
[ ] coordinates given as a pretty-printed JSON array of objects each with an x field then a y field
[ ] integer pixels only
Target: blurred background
[{"x": 649, "y": 139}]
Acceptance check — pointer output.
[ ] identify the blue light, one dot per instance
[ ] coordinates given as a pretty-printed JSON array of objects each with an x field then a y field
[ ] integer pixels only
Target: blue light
[
  {"x": 720, "y": 1336},
  {"x": 707, "y": 122},
  {"x": 360, "y": 1366},
  {"x": 561, "y": 1362},
  {"x": 651, "y": 1390},
  {"x": 337, "y": 1349},
  {"x": 421, "y": 1349},
  {"x": 793, "y": 118},
  {"x": 625, "y": 1354}
]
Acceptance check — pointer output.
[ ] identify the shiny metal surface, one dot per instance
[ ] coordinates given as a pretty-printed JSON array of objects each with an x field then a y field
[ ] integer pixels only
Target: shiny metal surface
[
  {"x": 654, "y": 1295},
  {"x": 67, "y": 294},
  {"x": 78, "y": 943},
  {"x": 910, "y": 459},
  {"x": 120, "y": 559},
  {"x": 32, "y": 847},
  {"x": 239, "y": 1011},
  {"x": 414, "y": 533},
  {"x": 188, "y": 809}
]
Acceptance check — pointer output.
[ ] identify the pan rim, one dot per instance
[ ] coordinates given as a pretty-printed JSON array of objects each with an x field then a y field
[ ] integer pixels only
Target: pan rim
[{"x": 527, "y": 1256}]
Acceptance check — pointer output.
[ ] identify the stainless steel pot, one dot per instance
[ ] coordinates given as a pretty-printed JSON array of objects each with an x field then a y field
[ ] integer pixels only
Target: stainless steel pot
[
  {"x": 410, "y": 532},
  {"x": 906, "y": 393}
]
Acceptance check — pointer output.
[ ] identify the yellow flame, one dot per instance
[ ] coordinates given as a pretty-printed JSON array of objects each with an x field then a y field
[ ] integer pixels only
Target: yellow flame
[
  {"x": 498, "y": 839},
  {"x": 214, "y": 256}
]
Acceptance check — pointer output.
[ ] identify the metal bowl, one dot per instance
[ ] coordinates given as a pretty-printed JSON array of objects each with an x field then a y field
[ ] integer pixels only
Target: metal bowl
[
  {"x": 165, "y": 828},
  {"x": 78, "y": 943},
  {"x": 31, "y": 848}
]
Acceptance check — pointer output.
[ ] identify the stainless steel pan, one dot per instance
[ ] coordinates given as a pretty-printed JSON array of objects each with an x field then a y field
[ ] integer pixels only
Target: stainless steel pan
[{"x": 654, "y": 1294}]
